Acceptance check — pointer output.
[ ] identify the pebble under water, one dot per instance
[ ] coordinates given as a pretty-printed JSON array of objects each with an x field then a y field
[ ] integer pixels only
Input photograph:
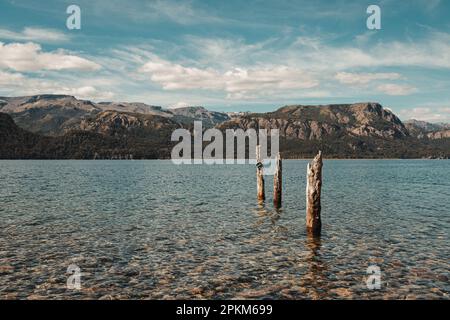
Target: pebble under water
[{"x": 154, "y": 230}]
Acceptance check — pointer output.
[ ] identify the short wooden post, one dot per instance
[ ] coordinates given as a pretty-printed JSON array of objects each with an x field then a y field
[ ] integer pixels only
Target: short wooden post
[
  {"x": 313, "y": 189},
  {"x": 259, "y": 175},
  {"x": 277, "y": 183}
]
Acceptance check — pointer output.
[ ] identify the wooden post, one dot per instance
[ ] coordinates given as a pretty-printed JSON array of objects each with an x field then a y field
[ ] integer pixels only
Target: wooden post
[
  {"x": 277, "y": 183},
  {"x": 313, "y": 189},
  {"x": 259, "y": 175}
]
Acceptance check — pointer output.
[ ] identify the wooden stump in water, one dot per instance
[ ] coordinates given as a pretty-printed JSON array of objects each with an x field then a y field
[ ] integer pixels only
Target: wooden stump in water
[
  {"x": 313, "y": 189},
  {"x": 277, "y": 183},
  {"x": 259, "y": 175}
]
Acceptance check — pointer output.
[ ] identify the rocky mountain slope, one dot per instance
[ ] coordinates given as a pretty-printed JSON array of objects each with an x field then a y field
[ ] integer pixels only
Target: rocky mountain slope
[
  {"x": 57, "y": 114},
  {"x": 209, "y": 118},
  {"x": 427, "y": 130},
  {"x": 317, "y": 122},
  {"x": 113, "y": 123},
  {"x": 46, "y": 114},
  {"x": 17, "y": 143},
  {"x": 58, "y": 126}
]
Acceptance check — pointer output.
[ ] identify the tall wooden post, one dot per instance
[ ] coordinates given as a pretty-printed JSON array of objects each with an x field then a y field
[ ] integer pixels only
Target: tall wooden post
[
  {"x": 313, "y": 189},
  {"x": 277, "y": 183},
  {"x": 259, "y": 175}
]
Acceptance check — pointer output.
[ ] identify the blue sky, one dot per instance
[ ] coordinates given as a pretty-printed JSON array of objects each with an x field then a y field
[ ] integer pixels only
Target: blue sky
[{"x": 232, "y": 55}]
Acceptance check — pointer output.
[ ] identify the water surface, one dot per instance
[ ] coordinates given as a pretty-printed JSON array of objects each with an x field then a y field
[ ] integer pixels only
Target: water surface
[{"x": 153, "y": 230}]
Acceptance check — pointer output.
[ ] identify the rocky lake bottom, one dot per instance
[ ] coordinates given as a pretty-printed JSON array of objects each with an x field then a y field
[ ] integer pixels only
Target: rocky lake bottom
[{"x": 154, "y": 230}]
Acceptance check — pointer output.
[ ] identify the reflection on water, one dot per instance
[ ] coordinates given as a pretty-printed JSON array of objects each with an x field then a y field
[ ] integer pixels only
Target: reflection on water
[
  {"x": 152, "y": 230},
  {"x": 316, "y": 270}
]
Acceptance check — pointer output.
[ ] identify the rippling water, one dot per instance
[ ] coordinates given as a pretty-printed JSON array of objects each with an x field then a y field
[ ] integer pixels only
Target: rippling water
[{"x": 153, "y": 230}]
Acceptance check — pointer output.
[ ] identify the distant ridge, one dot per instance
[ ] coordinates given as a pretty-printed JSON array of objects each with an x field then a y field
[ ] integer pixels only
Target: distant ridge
[
  {"x": 423, "y": 129},
  {"x": 56, "y": 114},
  {"x": 74, "y": 128}
]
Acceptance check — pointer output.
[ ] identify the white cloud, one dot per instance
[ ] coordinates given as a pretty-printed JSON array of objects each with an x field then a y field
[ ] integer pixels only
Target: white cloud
[
  {"x": 34, "y": 34},
  {"x": 237, "y": 82},
  {"x": 175, "y": 76},
  {"x": 276, "y": 96},
  {"x": 180, "y": 104},
  {"x": 246, "y": 70},
  {"x": 364, "y": 78},
  {"x": 18, "y": 84},
  {"x": 364, "y": 38},
  {"x": 181, "y": 12},
  {"x": 85, "y": 92},
  {"x": 431, "y": 52},
  {"x": 426, "y": 114},
  {"x": 30, "y": 57},
  {"x": 270, "y": 70},
  {"x": 6, "y": 78},
  {"x": 260, "y": 78},
  {"x": 396, "y": 89},
  {"x": 231, "y": 52}
]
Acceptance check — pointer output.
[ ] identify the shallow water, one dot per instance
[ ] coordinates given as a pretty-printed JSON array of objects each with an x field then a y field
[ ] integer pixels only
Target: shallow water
[{"x": 153, "y": 230}]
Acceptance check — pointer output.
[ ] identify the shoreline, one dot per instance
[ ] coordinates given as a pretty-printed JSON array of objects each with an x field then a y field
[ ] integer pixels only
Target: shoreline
[{"x": 286, "y": 159}]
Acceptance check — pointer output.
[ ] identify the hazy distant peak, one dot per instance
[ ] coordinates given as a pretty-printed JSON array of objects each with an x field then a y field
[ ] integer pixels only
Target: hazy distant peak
[
  {"x": 200, "y": 113},
  {"x": 423, "y": 129},
  {"x": 135, "y": 107}
]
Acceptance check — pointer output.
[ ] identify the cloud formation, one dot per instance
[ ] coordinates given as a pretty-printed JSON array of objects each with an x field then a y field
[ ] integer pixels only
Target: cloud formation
[
  {"x": 29, "y": 57},
  {"x": 286, "y": 67},
  {"x": 34, "y": 34},
  {"x": 237, "y": 82},
  {"x": 17, "y": 84},
  {"x": 396, "y": 89},
  {"x": 430, "y": 52},
  {"x": 7, "y": 78},
  {"x": 430, "y": 114},
  {"x": 364, "y": 78}
]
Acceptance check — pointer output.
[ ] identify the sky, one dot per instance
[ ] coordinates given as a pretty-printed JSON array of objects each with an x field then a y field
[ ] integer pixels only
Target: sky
[{"x": 234, "y": 55}]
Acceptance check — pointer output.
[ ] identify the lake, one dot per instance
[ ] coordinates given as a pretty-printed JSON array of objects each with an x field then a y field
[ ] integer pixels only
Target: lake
[{"x": 154, "y": 230}]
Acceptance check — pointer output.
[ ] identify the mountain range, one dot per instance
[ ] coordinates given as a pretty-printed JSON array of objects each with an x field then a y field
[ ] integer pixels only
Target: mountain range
[{"x": 64, "y": 127}]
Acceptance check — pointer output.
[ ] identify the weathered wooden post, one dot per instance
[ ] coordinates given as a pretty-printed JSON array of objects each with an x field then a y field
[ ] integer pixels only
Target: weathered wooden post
[
  {"x": 277, "y": 183},
  {"x": 313, "y": 189},
  {"x": 259, "y": 175}
]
